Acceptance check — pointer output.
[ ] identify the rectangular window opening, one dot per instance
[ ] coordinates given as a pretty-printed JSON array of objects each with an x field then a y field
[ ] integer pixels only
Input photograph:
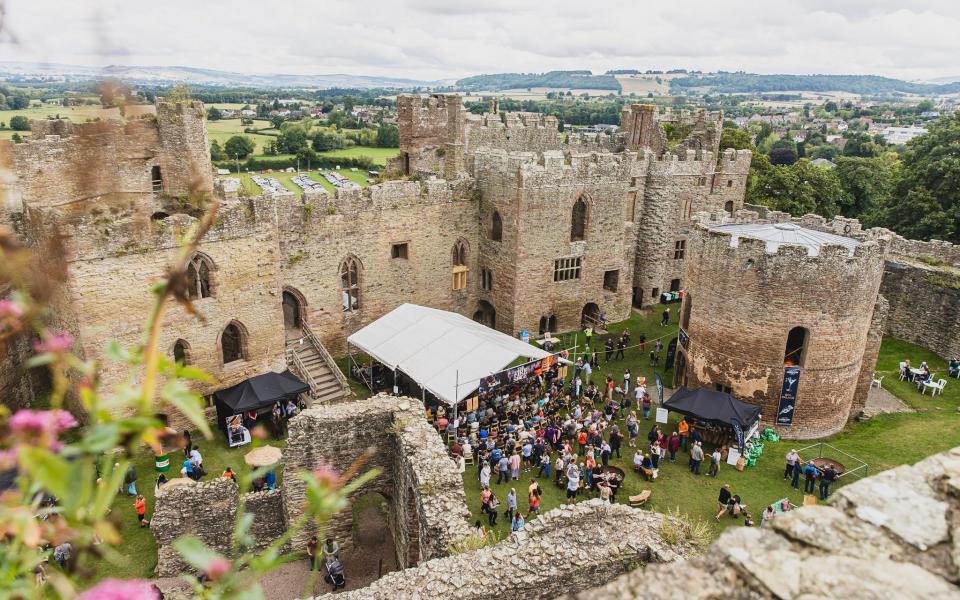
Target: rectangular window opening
[
  {"x": 565, "y": 269},
  {"x": 460, "y": 277},
  {"x": 611, "y": 280},
  {"x": 399, "y": 251},
  {"x": 679, "y": 248}
]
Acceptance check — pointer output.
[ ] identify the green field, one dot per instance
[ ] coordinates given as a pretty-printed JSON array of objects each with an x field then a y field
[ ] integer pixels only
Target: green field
[{"x": 78, "y": 114}]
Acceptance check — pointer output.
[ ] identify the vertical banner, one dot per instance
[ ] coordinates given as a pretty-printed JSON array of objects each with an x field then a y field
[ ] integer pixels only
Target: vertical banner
[
  {"x": 788, "y": 395},
  {"x": 671, "y": 354},
  {"x": 738, "y": 433},
  {"x": 659, "y": 387}
]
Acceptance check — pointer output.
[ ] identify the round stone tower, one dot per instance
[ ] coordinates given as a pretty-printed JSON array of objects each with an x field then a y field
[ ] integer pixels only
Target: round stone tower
[{"x": 781, "y": 315}]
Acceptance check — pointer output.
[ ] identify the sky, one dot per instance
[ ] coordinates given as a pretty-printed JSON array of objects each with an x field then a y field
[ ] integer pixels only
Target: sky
[{"x": 444, "y": 39}]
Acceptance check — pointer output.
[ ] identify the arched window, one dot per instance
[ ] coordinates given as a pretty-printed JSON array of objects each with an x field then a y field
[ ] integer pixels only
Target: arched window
[
  {"x": 578, "y": 221},
  {"x": 233, "y": 342},
  {"x": 198, "y": 275},
  {"x": 350, "y": 284},
  {"x": 496, "y": 227},
  {"x": 796, "y": 348},
  {"x": 181, "y": 352},
  {"x": 728, "y": 206},
  {"x": 459, "y": 254}
]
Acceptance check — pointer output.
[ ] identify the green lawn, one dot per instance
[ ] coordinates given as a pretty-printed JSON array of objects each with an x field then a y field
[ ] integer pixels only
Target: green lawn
[{"x": 883, "y": 442}]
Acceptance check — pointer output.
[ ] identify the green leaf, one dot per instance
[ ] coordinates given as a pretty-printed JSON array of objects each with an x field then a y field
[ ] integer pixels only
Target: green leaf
[
  {"x": 48, "y": 469},
  {"x": 195, "y": 551},
  {"x": 100, "y": 438},
  {"x": 187, "y": 402},
  {"x": 107, "y": 490},
  {"x": 40, "y": 360},
  {"x": 192, "y": 373},
  {"x": 117, "y": 352}
]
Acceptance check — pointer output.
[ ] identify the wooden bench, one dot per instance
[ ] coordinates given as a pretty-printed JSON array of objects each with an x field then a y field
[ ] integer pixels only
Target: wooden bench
[{"x": 640, "y": 499}]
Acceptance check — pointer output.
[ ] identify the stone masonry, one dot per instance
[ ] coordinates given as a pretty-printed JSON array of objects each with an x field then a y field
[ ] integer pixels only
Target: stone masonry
[
  {"x": 563, "y": 551},
  {"x": 891, "y": 535}
]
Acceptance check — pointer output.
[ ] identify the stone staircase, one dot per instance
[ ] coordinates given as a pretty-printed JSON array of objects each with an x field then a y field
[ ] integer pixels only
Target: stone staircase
[{"x": 310, "y": 360}]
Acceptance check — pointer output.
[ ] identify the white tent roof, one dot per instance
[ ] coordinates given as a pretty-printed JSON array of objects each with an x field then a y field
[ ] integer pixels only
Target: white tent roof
[
  {"x": 786, "y": 234},
  {"x": 444, "y": 352}
]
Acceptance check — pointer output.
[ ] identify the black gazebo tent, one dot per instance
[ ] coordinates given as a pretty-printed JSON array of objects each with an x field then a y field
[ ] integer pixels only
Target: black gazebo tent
[
  {"x": 719, "y": 407},
  {"x": 256, "y": 393}
]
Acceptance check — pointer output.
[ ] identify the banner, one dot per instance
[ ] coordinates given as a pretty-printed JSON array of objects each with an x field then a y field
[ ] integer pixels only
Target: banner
[
  {"x": 518, "y": 373},
  {"x": 659, "y": 387},
  {"x": 737, "y": 433},
  {"x": 788, "y": 395},
  {"x": 684, "y": 338},
  {"x": 671, "y": 354}
]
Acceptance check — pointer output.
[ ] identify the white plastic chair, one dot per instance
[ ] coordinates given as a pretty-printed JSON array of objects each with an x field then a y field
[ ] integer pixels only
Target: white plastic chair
[
  {"x": 877, "y": 382},
  {"x": 903, "y": 371}
]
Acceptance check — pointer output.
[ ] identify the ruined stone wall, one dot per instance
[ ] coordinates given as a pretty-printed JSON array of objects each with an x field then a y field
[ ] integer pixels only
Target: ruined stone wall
[
  {"x": 730, "y": 181},
  {"x": 206, "y": 510},
  {"x": 924, "y": 304},
  {"x": 422, "y": 124},
  {"x": 267, "y": 510},
  {"x": 565, "y": 550},
  {"x": 535, "y": 196},
  {"x": 870, "y": 354},
  {"x": 320, "y": 233},
  {"x": 20, "y": 387},
  {"x": 184, "y": 153},
  {"x": 892, "y": 535},
  {"x": 427, "y": 504},
  {"x": 744, "y": 301},
  {"x": 115, "y": 258}
]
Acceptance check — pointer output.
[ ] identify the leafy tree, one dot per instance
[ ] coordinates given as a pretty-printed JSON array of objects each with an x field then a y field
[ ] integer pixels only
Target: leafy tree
[
  {"x": 861, "y": 144},
  {"x": 19, "y": 123},
  {"x": 827, "y": 151},
  {"x": 239, "y": 145},
  {"x": 292, "y": 139},
  {"x": 327, "y": 140},
  {"x": 214, "y": 114},
  {"x": 16, "y": 138},
  {"x": 388, "y": 136},
  {"x": 276, "y": 121},
  {"x": 868, "y": 184},
  {"x": 798, "y": 189},
  {"x": 783, "y": 152},
  {"x": 737, "y": 139},
  {"x": 270, "y": 149},
  {"x": 927, "y": 200},
  {"x": 216, "y": 151}
]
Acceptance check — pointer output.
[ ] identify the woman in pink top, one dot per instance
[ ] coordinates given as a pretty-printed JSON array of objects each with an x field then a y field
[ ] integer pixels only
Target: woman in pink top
[{"x": 515, "y": 466}]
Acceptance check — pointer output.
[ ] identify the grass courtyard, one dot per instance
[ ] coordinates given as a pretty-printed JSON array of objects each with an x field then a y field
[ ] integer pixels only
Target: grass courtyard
[{"x": 883, "y": 442}]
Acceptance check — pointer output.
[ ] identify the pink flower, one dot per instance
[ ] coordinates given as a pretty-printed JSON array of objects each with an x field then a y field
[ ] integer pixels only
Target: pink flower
[
  {"x": 59, "y": 343},
  {"x": 217, "y": 568},
  {"x": 41, "y": 421},
  {"x": 8, "y": 459},
  {"x": 327, "y": 476},
  {"x": 10, "y": 310},
  {"x": 121, "y": 589}
]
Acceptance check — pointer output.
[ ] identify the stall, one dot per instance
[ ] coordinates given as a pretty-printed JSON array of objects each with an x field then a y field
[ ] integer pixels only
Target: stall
[
  {"x": 255, "y": 394},
  {"x": 722, "y": 419},
  {"x": 444, "y": 353}
]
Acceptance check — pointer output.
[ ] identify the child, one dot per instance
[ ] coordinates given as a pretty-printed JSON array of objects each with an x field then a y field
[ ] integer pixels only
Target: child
[{"x": 140, "y": 505}]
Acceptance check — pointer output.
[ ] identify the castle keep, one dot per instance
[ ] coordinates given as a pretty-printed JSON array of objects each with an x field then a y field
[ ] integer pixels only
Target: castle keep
[{"x": 501, "y": 217}]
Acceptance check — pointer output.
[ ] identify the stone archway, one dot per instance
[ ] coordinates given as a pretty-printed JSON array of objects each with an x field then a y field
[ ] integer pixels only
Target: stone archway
[
  {"x": 486, "y": 314},
  {"x": 590, "y": 315},
  {"x": 294, "y": 307}
]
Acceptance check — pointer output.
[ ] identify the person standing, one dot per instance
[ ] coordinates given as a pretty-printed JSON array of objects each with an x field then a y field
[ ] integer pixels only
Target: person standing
[
  {"x": 768, "y": 514},
  {"x": 809, "y": 478},
  {"x": 829, "y": 476},
  {"x": 647, "y": 405},
  {"x": 485, "y": 475},
  {"x": 684, "y": 428},
  {"x": 544, "y": 465},
  {"x": 140, "y": 505},
  {"x": 573, "y": 481},
  {"x": 607, "y": 349},
  {"x": 666, "y": 317},
  {"x": 511, "y": 504},
  {"x": 616, "y": 439},
  {"x": 514, "y": 466},
  {"x": 626, "y": 381},
  {"x": 492, "y": 505},
  {"x": 642, "y": 342},
  {"x": 792, "y": 457},
  {"x": 797, "y": 469},
  {"x": 331, "y": 551},
  {"x": 673, "y": 445},
  {"x": 696, "y": 457},
  {"x": 621, "y": 346},
  {"x": 503, "y": 469},
  {"x": 715, "y": 462},
  {"x": 723, "y": 499}
]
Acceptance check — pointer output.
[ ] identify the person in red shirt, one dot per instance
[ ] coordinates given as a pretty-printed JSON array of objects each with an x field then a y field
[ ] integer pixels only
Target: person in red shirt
[{"x": 140, "y": 505}]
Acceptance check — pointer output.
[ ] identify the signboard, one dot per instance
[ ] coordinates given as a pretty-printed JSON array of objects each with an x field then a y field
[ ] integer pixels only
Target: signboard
[
  {"x": 518, "y": 373},
  {"x": 733, "y": 455},
  {"x": 659, "y": 387},
  {"x": 737, "y": 433},
  {"x": 684, "y": 339},
  {"x": 662, "y": 415},
  {"x": 788, "y": 395}
]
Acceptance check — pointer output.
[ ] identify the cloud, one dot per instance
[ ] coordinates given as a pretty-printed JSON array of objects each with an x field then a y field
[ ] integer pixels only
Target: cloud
[{"x": 433, "y": 39}]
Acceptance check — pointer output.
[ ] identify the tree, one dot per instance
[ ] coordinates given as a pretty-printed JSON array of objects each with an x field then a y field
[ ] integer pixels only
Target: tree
[
  {"x": 798, "y": 189},
  {"x": 927, "y": 200},
  {"x": 861, "y": 144},
  {"x": 292, "y": 139},
  {"x": 388, "y": 136},
  {"x": 732, "y": 137},
  {"x": 783, "y": 152},
  {"x": 327, "y": 140},
  {"x": 276, "y": 121},
  {"x": 216, "y": 151},
  {"x": 214, "y": 114},
  {"x": 16, "y": 138},
  {"x": 178, "y": 93},
  {"x": 239, "y": 145},
  {"x": 868, "y": 184},
  {"x": 19, "y": 123},
  {"x": 827, "y": 151}
]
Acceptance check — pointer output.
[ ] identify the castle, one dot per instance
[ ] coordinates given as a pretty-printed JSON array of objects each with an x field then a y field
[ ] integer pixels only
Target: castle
[{"x": 501, "y": 217}]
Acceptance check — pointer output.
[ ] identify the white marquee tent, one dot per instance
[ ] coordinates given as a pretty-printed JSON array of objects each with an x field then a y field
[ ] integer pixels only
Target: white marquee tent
[{"x": 446, "y": 353}]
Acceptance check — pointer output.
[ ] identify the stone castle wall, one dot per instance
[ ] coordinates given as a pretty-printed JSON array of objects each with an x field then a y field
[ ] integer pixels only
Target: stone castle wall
[
  {"x": 892, "y": 535},
  {"x": 743, "y": 301},
  {"x": 924, "y": 305},
  {"x": 565, "y": 550}
]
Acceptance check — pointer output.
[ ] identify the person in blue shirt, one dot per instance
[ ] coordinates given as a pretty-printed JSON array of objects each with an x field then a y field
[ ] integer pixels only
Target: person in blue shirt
[
  {"x": 503, "y": 469},
  {"x": 495, "y": 455},
  {"x": 271, "y": 480},
  {"x": 517, "y": 523},
  {"x": 953, "y": 370},
  {"x": 810, "y": 473}
]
